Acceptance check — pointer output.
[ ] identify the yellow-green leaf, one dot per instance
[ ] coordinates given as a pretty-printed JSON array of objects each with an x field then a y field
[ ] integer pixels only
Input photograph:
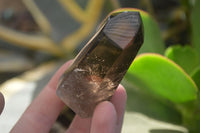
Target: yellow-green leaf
[
  {"x": 152, "y": 37},
  {"x": 184, "y": 56},
  {"x": 164, "y": 78}
]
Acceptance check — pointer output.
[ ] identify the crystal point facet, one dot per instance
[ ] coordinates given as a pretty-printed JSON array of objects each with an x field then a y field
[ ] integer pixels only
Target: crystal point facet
[{"x": 100, "y": 66}]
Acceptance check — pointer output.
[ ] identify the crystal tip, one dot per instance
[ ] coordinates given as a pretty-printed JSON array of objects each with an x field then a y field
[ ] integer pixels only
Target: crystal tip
[{"x": 122, "y": 27}]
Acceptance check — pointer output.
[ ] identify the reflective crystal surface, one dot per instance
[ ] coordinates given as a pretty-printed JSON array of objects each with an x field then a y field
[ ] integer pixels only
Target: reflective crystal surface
[{"x": 100, "y": 66}]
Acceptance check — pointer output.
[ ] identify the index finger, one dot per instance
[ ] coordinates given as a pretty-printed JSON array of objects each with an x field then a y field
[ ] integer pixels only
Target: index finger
[
  {"x": 2, "y": 102},
  {"x": 44, "y": 110}
]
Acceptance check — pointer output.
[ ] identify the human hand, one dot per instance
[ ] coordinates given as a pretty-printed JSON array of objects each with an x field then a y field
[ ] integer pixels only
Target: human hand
[
  {"x": 44, "y": 110},
  {"x": 2, "y": 102}
]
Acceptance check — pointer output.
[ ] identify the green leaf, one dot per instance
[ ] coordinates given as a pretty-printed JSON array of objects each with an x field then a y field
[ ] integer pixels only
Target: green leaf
[
  {"x": 153, "y": 42},
  {"x": 196, "y": 77},
  {"x": 184, "y": 56},
  {"x": 195, "y": 21},
  {"x": 163, "y": 78},
  {"x": 140, "y": 101}
]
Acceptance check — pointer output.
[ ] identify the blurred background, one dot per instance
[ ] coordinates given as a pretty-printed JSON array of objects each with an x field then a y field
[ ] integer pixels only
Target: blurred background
[{"x": 38, "y": 36}]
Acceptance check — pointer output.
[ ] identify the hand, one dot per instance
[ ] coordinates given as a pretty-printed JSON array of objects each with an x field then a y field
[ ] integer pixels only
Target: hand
[
  {"x": 44, "y": 110},
  {"x": 2, "y": 102}
]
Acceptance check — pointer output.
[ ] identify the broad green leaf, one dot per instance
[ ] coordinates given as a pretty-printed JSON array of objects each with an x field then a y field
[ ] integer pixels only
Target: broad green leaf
[
  {"x": 195, "y": 21},
  {"x": 163, "y": 78},
  {"x": 196, "y": 77},
  {"x": 153, "y": 42},
  {"x": 184, "y": 56},
  {"x": 140, "y": 101}
]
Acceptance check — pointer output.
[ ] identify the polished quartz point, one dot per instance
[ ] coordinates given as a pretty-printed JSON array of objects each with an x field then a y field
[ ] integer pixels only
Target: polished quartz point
[{"x": 100, "y": 66}]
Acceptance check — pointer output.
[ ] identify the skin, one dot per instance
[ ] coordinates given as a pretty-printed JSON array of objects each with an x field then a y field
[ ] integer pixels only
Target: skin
[
  {"x": 2, "y": 102},
  {"x": 44, "y": 110}
]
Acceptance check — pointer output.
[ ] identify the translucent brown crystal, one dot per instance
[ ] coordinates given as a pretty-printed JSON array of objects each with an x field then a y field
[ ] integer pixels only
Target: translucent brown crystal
[{"x": 100, "y": 66}]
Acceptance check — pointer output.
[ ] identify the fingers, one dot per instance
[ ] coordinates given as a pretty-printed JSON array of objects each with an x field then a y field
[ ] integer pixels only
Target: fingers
[
  {"x": 80, "y": 125},
  {"x": 104, "y": 119},
  {"x": 43, "y": 111},
  {"x": 119, "y": 101},
  {"x": 107, "y": 117},
  {"x": 2, "y": 102}
]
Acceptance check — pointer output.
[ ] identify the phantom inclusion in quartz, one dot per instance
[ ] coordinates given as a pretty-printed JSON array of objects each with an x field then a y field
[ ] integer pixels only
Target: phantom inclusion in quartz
[{"x": 100, "y": 66}]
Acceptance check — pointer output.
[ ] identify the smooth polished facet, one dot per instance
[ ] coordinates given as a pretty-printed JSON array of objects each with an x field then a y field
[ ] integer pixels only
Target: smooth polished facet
[{"x": 100, "y": 66}]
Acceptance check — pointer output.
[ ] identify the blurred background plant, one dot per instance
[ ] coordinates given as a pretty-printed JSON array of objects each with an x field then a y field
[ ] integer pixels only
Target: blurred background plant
[{"x": 36, "y": 37}]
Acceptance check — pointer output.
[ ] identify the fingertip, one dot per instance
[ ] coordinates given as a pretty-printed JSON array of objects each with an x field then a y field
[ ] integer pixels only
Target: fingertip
[
  {"x": 119, "y": 101},
  {"x": 79, "y": 125},
  {"x": 104, "y": 118},
  {"x": 2, "y": 103},
  {"x": 106, "y": 108},
  {"x": 123, "y": 93},
  {"x": 120, "y": 95}
]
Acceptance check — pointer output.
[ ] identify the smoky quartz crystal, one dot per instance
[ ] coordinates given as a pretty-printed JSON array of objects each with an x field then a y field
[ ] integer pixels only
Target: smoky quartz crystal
[{"x": 100, "y": 66}]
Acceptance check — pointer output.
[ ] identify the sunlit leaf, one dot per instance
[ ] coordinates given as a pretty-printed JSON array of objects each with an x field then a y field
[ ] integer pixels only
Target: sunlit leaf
[
  {"x": 140, "y": 101},
  {"x": 184, "y": 56},
  {"x": 152, "y": 36},
  {"x": 163, "y": 78}
]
